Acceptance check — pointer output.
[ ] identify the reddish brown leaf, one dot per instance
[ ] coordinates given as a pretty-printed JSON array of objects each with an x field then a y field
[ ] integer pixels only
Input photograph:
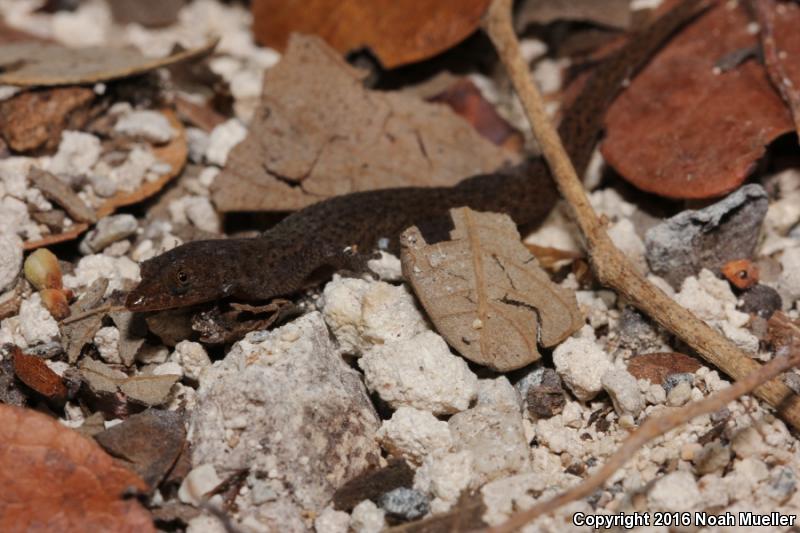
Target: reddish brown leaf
[
  {"x": 397, "y": 32},
  {"x": 741, "y": 272},
  {"x": 54, "y": 479},
  {"x": 780, "y": 42},
  {"x": 655, "y": 367},
  {"x": 35, "y": 373},
  {"x": 686, "y": 129},
  {"x": 466, "y": 100},
  {"x": 35, "y": 119}
]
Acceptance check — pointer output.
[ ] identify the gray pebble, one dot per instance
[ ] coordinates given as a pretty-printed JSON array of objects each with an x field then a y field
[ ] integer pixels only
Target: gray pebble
[
  {"x": 673, "y": 380},
  {"x": 707, "y": 238},
  {"x": 404, "y": 504}
]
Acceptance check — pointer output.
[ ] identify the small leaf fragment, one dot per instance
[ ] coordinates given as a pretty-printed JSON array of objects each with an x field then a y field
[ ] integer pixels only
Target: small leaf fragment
[
  {"x": 35, "y": 373},
  {"x": 486, "y": 293}
]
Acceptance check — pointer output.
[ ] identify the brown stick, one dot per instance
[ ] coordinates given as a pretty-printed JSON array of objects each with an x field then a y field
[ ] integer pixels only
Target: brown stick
[
  {"x": 611, "y": 267},
  {"x": 649, "y": 430}
]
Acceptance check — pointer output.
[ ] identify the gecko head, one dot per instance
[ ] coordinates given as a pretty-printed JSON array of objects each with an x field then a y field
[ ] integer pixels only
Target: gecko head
[{"x": 193, "y": 273}]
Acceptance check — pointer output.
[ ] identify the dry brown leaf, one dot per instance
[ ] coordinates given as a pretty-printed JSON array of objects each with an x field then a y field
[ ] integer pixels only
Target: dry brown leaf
[
  {"x": 147, "y": 390},
  {"x": 613, "y": 13},
  {"x": 61, "y": 193},
  {"x": 75, "y": 335},
  {"x": 485, "y": 292},
  {"x": 54, "y": 479},
  {"x": 35, "y": 373},
  {"x": 687, "y": 128},
  {"x": 132, "y": 332},
  {"x": 174, "y": 153},
  {"x": 656, "y": 367},
  {"x": 149, "y": 442},
  {"x": 780, "y": 41},
  {"x": 320, "y": 133},
  {"x": 397, "y": 32},
  {"x": 33, "y": 120},
  {"x": 31, "y": 64}
]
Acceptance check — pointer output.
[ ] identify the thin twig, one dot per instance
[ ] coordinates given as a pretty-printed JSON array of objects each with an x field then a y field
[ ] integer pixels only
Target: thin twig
[
  {"x": 649, "y": 430},
  {"x": 611, "y": 267},
  {"x": 108, "y": 308}
]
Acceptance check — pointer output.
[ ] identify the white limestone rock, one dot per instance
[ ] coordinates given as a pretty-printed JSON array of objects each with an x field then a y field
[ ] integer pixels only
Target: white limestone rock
[
  {"x": 36, "y": 324},
  {"x": 77, "y": 154},
  {"x": 414, "y": 434},
  {"x": 624, "y": 391},
  {"x": 675, "y": 492},
  {"x": 192, "y": 357},
  {"x": 367, "y": 518},
  {"x": 495, "y": 435},
  {"x": 285, "y": 405},
  {"x": 146, "y": 125},
  {"x": 222, "y": 140},
  {"x": 419, "y": 372},
  {"x": 445, "y": 475},
  {"x": 10, "y": 260},
  {"x": 581, "y": 363},
  {"x": 332, "y": 521}
]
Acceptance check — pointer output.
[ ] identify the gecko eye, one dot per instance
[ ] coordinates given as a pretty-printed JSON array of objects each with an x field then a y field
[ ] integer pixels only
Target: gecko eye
[{"x": 182, "y": 277}]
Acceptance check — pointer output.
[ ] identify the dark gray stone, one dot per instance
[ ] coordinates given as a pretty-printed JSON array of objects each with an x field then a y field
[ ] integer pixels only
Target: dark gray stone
[
  {"x": 761, "y": 300},
  {"x": 707, "y": 238},
  {"x": 404, "y": 504}
]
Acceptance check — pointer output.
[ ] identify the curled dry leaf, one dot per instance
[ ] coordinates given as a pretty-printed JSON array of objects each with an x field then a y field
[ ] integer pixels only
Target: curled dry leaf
[
  {"x": 780, "y": 41},
  {"x": 76, "y": 334},
  {"x": 35, "y": 373},
  {"x": 173, "y": 153},
  {"x": 54, "y": 479},
  {"x": 31, "y": 64},
  {"x": 485, "y": 292},
  {"x": 320, "y": 133},
  {"x": 105, "y": 381},
  {"x": 687, "y": 129},
  {"x": 397, "y": 32}
]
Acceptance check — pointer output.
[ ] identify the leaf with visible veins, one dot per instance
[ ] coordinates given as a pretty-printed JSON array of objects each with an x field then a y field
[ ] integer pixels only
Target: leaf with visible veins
[
  {"x": 54, "y": 479},
  {"x": 486, "y": 293}
]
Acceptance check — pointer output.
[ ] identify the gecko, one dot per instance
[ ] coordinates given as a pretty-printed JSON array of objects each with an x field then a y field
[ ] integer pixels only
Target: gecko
[{"x": 341, "y": 232}]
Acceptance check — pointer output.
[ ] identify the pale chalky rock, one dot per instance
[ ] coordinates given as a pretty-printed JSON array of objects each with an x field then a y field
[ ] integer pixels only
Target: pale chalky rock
[
  {"x": 419, "y": 372},
  {"x": 363, "y": 313},
  {"x": 495, "y": 435},
  {"x": 623, "y": 235},
  {"x": 444, "y": 475},
  {"x": 690, "y": 241},
  {"x": 505, "y": 496},
  {"x": 497, "y": 392},
  {"x": 36, "y": 323},
  {"x": 120, "y": 271},
  {"x": 106, "y": 340},
  {"x": 196, "y": 210},
  {"x": 332, "y": 521},
  {"x": 789, "y": 282},
  {"x": 675, "y": 492},
  {"x": 222, "y": 140},
  {"x": 581, "y": 363},
  {"x": 711, "y": 299},
  {"x": 367, "y": 518},
  {"x": 284, "y": 404},
  {"x": 624, "y": 391},
  {"x": 197, "y": 483},
  {"x": 413, "y": 434},
  {"x": 77, "y": 153},
  {"x": 192, "y": 357},
  {"x": 10, "y": 260},
  {"x": 146, "y": 125},
  {"x": 108, "y": 230}
]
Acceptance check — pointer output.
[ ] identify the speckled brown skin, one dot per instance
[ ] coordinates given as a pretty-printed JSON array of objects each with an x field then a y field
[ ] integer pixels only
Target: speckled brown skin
[{"x": 339, "y": 233}]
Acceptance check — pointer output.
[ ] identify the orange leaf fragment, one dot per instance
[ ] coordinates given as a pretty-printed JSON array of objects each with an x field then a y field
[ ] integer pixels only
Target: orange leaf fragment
[
  {"x": 54, "y": 479},
  {"x": 397, "y": 32},
  {"x": 689, "y": 128},
  {"x": 741, "y": 272},
  {"x": 35, "y": 373}
]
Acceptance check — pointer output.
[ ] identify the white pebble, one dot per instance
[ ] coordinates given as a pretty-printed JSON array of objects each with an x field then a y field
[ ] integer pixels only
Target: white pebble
[
  {"x": 197, "y": 483},
  {"x": 192, "y": 357},
  {"x": 581, "y": 364},
  {"x": 331, "y": 521},
  {"x": 222, "y": 140},
  {"x": 10, "y": 260},
  {"x": 675, "y": 492},
  {"x": 420, "y": 372},
  {"x": 77, "y": 154},
  {"x": 107, "y": 342},
  {"x": 367, "y": 518},
  {"x": 36, "y": 323},
  {"x": 444, "y": 476},
  {"x": 146, "y": 125},
  {"x": 624, "y": 391},
  {"x": 414, "y": 434}
]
